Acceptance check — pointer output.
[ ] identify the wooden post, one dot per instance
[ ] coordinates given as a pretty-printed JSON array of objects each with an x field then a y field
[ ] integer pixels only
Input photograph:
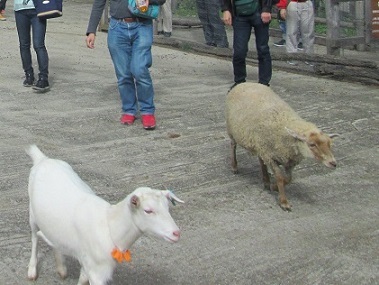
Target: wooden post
[{"x": 333, "y": 27}]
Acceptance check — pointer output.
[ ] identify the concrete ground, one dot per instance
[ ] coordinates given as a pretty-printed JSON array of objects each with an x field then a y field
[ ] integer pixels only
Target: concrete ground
[{"x": 233, "y": 232}]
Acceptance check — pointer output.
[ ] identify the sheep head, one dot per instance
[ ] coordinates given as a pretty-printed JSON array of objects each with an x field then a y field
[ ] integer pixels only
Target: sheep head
[
  {"x": 318, "y": 146},
  {"x": 151, "y": 213}
]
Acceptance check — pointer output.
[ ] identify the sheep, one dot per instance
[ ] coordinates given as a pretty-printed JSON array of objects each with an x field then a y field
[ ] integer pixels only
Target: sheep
[
  {"x": 261, "y": 122},
  {"x": 74, "y": 221}
]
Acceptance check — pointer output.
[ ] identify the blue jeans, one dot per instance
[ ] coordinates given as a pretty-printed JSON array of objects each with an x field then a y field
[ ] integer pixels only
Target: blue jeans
[
  {"x": 242, "y": 27},
  {"x": 130, "y": 47},
  {"x": 27, "y": 20}
]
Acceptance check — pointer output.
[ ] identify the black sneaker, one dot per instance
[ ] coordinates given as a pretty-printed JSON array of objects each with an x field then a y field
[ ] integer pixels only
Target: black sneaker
[
  {"x": 29, "y": 80},
  {"x": 280, "y": 43},
  {"x": 167, "y": 34},
  {"x": 300, "y": 46},
  {"x": 42, "y": 85}
]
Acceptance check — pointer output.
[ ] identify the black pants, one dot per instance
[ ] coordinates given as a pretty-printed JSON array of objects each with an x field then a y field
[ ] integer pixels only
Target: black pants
[{"x": 242, "y": 27}]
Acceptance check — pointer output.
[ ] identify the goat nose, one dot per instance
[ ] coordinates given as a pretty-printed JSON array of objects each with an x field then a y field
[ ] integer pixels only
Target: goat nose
[
  {"x": 333, "y": 163},
  {"x": 176, "y": 233}
]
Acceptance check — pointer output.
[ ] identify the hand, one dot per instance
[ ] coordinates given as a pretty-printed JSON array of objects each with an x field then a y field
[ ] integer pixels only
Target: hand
[
  {"x": 227, "y": 17},
  {"x": 90, "y": 40},
  {"x": 283, "y": 13},
  {"x": 266, "y": 17}
]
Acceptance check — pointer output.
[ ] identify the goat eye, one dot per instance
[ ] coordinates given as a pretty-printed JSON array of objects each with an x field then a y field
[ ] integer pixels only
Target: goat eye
[
  {"x": 148, "y": 211},
  {"x": 312, "y": 145}
]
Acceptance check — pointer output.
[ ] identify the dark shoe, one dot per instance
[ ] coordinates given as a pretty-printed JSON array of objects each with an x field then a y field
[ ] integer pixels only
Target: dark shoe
[
  {"x": 148, "y": 122},
  {"x": 167, "y": 34},
  {"x": 127, "y": 119},
  {"x": 280, "y": 43},
  {"x": 300, "y": 46},
  {"x": 211, "y": 44},
  {"x": 29, "y": 80},
  {"x": 160, "y": 33},
  {"x": 42, "y": 85},
  {"x": 235, "y": 84}
]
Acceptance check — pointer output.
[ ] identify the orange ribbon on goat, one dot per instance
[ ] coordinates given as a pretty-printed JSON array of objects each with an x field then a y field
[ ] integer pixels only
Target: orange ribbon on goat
[{"x": 120, "y": 256}]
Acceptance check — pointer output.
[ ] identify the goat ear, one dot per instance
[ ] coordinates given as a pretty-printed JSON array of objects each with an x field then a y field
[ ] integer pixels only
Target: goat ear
[
  {"x": 135, "y": 201},
  {"x": 171, "y": 197},
  {"x": 296, "y": 135}
]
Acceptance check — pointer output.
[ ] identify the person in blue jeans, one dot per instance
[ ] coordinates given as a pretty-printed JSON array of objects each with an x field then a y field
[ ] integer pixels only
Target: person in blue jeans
[
  {"x": 130, "y": 39},
  {"x": 27, "y": 21},
  {"x": 242, "y": 28}
]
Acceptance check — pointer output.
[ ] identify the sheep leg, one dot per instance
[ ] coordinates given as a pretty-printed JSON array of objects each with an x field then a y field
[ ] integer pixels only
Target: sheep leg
[
  {"x": 281, "y": 181},
  {"x": 32, "y": 267},
  {"x": 60, "y": 263},
  {"x": 265, "y": 175},
  {"x": 233, "y": 145}
]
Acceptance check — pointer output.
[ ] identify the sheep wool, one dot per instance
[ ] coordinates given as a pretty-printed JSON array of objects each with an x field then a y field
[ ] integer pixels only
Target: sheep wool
[{"x": 261, "y": 122}]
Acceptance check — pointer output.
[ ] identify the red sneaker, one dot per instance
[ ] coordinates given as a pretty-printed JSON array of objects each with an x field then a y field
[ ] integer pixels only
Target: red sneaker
[
  {"x": 148, "y": 122},
  {"x": 127, "y": 119}
]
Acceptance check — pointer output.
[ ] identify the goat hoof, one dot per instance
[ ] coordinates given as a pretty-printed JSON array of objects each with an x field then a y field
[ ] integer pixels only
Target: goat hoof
[
  {"x": 235, "y": 171},
  {"x": 32, "y": 274},
  {"x": 62, "y": 273}
]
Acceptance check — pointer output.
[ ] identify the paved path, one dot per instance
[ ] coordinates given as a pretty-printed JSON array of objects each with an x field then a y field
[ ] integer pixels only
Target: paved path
[{"x": 233, "y": 232}]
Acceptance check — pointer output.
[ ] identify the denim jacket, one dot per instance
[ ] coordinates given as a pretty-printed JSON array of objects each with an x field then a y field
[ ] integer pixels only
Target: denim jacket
[
  {"x": 23, "y": 5},
  {"x": 117, "y": 9}
]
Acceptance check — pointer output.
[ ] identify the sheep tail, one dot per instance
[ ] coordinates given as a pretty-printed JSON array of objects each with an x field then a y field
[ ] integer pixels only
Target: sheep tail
[{"x": 35, "y": 153}]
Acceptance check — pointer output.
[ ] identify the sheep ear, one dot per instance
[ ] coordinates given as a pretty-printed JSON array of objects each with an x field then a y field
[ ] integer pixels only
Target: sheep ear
[
  {"x": 296, "y": 135},
  {"x": 171, "y": 197},
  {"x": 332, "y": 136},
  {"x": 135, "y": 201}
]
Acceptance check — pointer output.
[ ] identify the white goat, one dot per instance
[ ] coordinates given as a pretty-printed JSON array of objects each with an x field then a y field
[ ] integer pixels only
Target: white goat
[
  {"x": 261, "y": 122},
  {"x": 67, "y": 214}
]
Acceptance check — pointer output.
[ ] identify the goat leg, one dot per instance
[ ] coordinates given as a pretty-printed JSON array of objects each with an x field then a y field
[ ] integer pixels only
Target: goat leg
[{"x": 32, "y": 267}]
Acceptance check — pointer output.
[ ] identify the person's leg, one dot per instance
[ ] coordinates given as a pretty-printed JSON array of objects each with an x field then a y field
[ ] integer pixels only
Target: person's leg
[
  {"x": 307, "y": 22},
  {"x": 202, "y": 12},
  {"x": 140, "y": 63},
  {"x": 282, "y": 27},
  {"x": 167, "y": 17},
  {"x": 216, "y": 24},
  {"x": 241, "y": 36},
  {"x": 39, "y": 33},
  {"x": 292, "y": 27},
  {"x": 261, "y": 31},
  {"x": 120, "y": 49},
  {"x": 23, "y": 25}
]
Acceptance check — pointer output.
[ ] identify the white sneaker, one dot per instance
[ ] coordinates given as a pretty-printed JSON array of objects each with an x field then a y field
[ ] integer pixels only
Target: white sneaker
[
  {"x": 309, "y": 63},
  {"x": 292, "y": 62}
]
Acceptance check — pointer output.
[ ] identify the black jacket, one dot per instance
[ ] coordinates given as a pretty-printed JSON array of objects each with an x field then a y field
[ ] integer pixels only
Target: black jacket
[{"x": 266, "y": 5}]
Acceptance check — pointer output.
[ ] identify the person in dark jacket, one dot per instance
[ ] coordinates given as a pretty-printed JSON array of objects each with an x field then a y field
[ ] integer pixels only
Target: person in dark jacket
[
  {"x": 242, "y": 27},
  {"x": 130, "y": 39}
]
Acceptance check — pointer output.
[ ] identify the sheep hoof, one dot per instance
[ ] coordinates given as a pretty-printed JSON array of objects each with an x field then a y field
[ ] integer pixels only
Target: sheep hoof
[
  {"x": 274, "y": 187},
  {"x": 286, "y": 206},
  {"x": 266, "y": 186}
]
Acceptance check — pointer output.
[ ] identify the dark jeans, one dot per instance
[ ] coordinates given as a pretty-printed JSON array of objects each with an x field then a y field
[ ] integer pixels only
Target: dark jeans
[
  {"x": 242, "y": 27},
  {"x": 26, "y": 21},
  {"x": 2, "y": 4},
  {"x": 213, "y": 26}
]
